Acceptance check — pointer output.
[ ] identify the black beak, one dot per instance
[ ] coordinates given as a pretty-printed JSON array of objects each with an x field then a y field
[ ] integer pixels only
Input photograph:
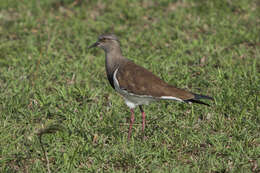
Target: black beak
[{"x": 94, "y": 45}]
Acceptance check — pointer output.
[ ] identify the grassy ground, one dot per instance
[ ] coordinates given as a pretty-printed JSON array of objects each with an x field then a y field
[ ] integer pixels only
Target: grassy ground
[{"x": 52, "y": 88}]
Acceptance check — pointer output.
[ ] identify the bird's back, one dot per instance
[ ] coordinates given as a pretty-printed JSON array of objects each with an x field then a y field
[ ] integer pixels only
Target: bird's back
[{"x": 137, "y": 80}]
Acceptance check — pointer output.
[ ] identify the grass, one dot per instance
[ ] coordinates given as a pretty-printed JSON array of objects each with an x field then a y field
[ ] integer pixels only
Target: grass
[{"x": 52, "y": 87}]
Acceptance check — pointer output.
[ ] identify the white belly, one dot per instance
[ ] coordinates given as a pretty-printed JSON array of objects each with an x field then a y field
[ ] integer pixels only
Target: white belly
[{"x": 133, "y": 101}]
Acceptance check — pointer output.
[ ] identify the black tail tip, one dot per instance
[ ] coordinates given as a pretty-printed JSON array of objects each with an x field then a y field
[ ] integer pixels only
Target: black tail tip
[
  {"x": 197, "y": 98},
  {"x": 196, "y": 101}
]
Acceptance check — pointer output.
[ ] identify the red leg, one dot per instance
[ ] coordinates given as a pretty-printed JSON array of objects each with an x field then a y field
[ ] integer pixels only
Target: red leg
[
  {"x": 131, "y": 123},
  {"x": 143, "y": 116}
]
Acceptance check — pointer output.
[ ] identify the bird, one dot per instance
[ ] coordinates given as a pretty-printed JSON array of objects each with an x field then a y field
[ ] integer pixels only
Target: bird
[{"x": 137, "y": 85}]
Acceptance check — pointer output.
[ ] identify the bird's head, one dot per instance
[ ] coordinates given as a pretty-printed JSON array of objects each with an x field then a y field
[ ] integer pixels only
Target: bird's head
[{"x": 107, "y": 42}]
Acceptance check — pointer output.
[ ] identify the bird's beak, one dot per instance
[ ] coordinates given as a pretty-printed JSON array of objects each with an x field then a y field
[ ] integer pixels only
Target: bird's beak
[{"x": 94, "y": 45}]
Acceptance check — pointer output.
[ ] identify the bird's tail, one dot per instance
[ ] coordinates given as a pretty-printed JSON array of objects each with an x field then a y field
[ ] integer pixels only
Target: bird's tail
[{"x": 197, "y": 98}]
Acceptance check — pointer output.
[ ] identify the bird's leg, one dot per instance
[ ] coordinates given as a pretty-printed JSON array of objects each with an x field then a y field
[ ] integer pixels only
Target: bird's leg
[
  {"x": 131, "y": 123},
  {"x": 143, "y": 116}
]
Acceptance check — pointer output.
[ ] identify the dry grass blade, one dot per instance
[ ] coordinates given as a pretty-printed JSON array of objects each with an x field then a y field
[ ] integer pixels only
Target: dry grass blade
[{"x": 49, "y": 130}]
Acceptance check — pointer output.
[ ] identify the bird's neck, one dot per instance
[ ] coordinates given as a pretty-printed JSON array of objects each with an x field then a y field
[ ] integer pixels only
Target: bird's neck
[{"x": 113, "y": 59}]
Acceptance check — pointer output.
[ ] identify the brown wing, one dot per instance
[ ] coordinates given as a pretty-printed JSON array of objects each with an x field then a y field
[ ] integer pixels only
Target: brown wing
[{"x": 136, "y": 79}]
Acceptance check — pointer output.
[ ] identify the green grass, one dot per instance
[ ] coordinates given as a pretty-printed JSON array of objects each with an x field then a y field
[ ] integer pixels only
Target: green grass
[{"x": 52, "y": 86}]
